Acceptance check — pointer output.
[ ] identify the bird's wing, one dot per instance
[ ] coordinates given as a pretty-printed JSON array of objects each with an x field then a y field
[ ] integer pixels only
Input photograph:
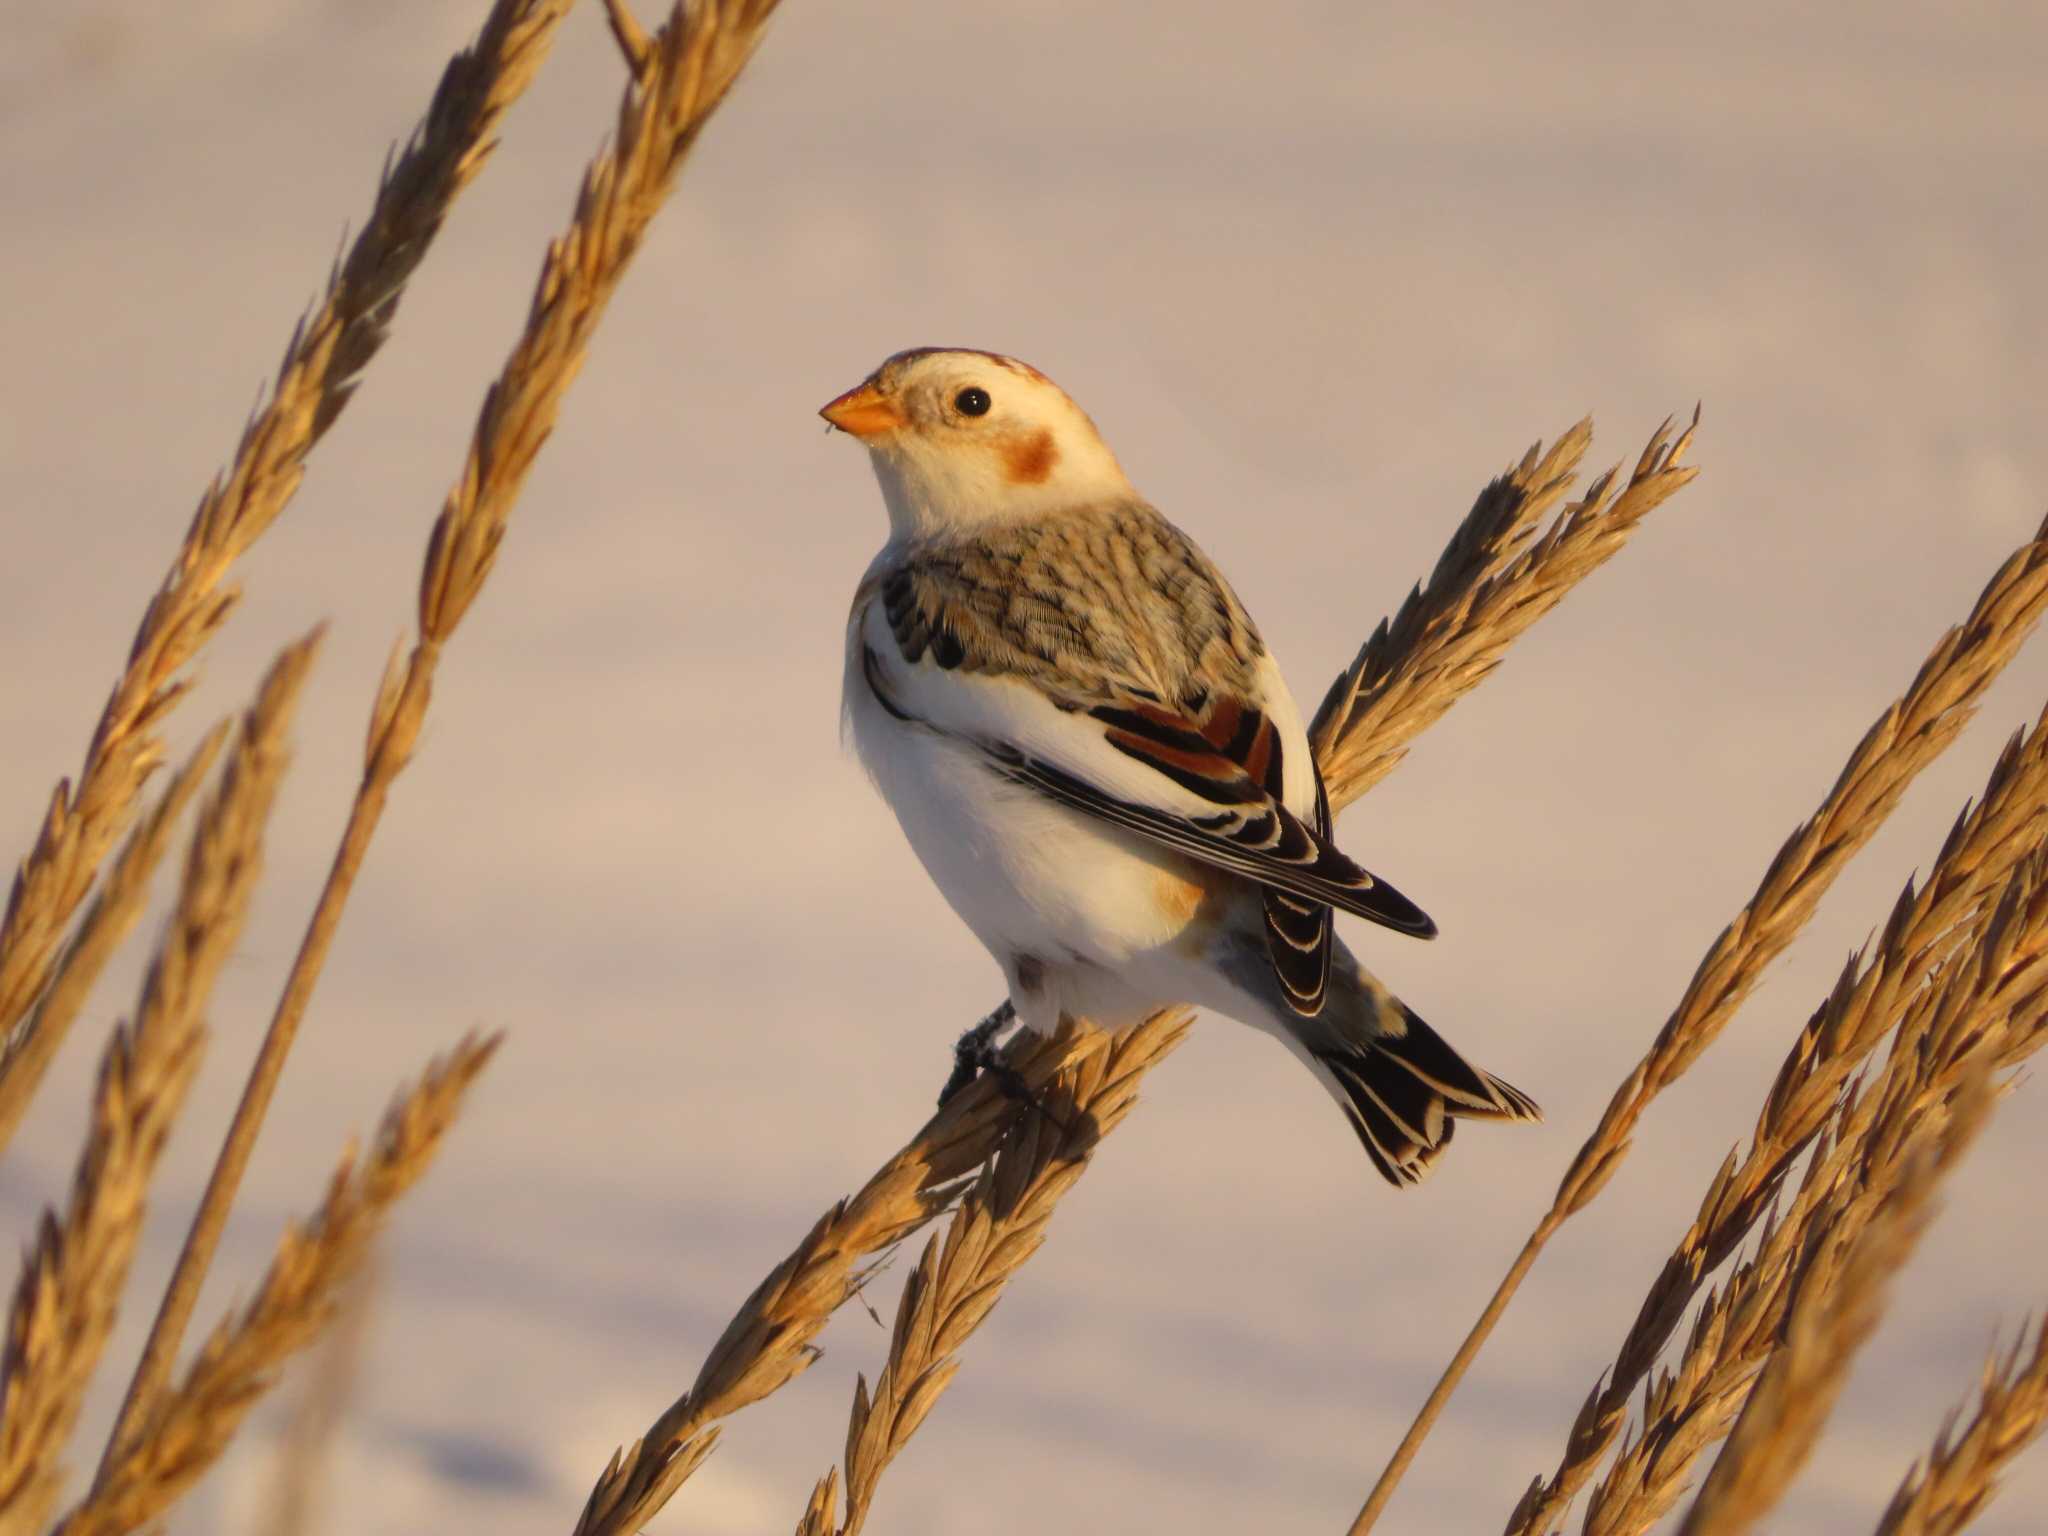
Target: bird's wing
[
  {"x": 1203, "y": 764},
  {"x": 1298, "y": 933}
]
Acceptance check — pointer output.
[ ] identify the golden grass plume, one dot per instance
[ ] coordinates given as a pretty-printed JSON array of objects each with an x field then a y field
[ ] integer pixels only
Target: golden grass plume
[
  {"x": 191, "y": 1424},
  {"x": 1981, "y": 1014},
  {"x": 1833, "y": 1307},
  {"x": 698, "y": 57},
  {"x": 1958, "y": 1477},
  {"x": 325, "y": 356},
  {"x": 1502, "y": 570},
  {"x": 65, "y": 1306},
  {"x": 72, "y": 1278},
  {"x": 1904, "y": 739},
  {"x": 1929, "y": 926},
  {"x": 100, "y": 932}
]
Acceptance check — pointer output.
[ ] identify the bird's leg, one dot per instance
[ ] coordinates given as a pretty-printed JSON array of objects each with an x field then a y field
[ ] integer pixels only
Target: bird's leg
[{"x": 976, "y": 1053}]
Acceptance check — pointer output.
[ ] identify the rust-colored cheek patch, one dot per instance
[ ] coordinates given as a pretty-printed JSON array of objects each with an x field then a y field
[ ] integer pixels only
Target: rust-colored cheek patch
[{"x": 1029, "y": 460}]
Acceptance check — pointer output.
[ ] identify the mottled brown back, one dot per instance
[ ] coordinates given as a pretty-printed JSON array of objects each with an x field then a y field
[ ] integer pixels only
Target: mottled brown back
[{"x": 1102, "y": 605}]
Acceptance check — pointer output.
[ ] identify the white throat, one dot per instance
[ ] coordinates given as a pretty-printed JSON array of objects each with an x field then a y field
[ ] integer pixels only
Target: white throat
[{"x": 932, "y": 494}]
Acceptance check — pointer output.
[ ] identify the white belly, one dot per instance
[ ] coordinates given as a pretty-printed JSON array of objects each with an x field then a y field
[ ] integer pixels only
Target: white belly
[{"x": 1104, "y": 914}]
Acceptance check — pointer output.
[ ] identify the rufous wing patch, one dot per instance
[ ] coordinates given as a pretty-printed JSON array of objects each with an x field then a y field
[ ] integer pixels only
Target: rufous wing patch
[
  {"x": 1028, "y": 460},
  {"x": 1232, "y": 757}
]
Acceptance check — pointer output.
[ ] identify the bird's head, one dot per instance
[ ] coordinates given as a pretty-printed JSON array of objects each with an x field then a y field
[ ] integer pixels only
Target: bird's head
[{"x": 961, "y": 438}]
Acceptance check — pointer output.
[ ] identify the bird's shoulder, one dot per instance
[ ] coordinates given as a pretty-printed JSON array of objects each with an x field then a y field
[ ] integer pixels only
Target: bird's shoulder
[{"x": 1103, "y": 603}]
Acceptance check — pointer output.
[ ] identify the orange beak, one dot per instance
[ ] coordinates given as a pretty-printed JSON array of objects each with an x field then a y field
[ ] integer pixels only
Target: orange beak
[{"x": 863, "y": 413}]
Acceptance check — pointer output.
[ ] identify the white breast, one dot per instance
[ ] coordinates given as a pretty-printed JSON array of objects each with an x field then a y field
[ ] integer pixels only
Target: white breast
[{"x": 1028, "y": 876}]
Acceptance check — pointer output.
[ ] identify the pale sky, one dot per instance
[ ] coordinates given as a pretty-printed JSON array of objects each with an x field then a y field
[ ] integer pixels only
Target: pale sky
[{"x": 1317, "y": 270}]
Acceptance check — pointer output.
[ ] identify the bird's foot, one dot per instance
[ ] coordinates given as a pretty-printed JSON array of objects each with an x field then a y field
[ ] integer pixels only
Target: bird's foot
[{"x": 976, "y": 1054}]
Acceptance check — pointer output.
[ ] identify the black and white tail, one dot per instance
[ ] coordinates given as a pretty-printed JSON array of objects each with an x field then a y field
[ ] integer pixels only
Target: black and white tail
[{"x": 1405, "y": 1089}]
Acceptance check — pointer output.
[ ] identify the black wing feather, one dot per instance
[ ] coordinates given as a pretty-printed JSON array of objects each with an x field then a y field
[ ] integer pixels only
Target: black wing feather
[
  {"x": 1321, "y": 875},
  {"x": 1298, "y": 934}
]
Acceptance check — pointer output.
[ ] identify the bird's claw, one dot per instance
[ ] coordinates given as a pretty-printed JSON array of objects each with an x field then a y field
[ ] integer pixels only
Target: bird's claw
[{"x": 976, "y": 1054}]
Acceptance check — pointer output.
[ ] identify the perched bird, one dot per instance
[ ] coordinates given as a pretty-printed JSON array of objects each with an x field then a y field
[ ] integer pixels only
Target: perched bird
[{"x": 1094, "y": 754}]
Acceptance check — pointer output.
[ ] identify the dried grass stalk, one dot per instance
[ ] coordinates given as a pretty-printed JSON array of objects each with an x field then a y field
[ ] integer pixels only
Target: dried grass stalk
[
  {"x": 323, "y": 360},
  {"x": 1908, "y": 736},
  {"x": 313, "y": 1265},
  {"x": 694, "y": 62},
  {"x": 1497, "y": 576},
  {"x": 1928, "y": 926},
  {"x": 1982, "y": 1012},
  {"x": 104, "y": 928},
  {"x": 999, "y": 1224},
  {"x": 631, "y": 37},
  {"x": 1835, "y": 1305},
  {"x": 72, "y": 1278},
  {"x": 1959, "y": 1476},
  {"x": 818, "y": 1517},
  {"x": 768, "y": 1342}
]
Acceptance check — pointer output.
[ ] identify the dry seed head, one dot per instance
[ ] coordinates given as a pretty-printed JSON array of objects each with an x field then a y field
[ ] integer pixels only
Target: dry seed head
[
  {"x": 328, "y": 349},
  {"x": 189, "y": 1428},
  {"x": 71, "y": 1284}
]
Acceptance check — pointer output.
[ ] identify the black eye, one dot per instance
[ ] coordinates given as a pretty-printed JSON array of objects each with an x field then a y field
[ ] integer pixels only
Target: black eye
[{"x": 971, "y": 402}]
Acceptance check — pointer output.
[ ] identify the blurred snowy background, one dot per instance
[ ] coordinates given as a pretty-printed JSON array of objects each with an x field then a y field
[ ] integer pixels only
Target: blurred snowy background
[{"x": 1318, "y": 270}]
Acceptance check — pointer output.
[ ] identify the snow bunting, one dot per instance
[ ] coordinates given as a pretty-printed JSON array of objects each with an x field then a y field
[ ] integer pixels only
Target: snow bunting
[{"x": 1096, "y": 758}]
